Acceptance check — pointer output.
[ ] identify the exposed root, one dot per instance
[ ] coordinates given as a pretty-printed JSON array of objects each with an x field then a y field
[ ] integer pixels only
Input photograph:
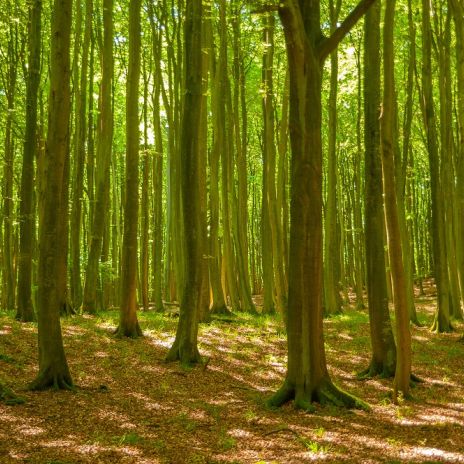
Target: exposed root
[
  {"x": 282, "y": 396},
  {"x": 374, "y": 370},
  {"x": 441, "y": 327},
  {"x": 9, "y": 397},
  {"x": 48, "y": 378},
  {"x": 326, "y": 394},
  {"x": 329, "y": 394},
  {"x": 222, "y": 309}
]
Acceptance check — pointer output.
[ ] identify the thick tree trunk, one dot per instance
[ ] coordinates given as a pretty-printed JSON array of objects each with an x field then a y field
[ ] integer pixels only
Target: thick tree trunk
[
  {"x": 53, "y": 367},
  {"x": 307, "y": 376}
]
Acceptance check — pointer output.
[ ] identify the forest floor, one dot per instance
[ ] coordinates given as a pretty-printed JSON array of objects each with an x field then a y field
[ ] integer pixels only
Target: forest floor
[{"x": 131, "y": 407}]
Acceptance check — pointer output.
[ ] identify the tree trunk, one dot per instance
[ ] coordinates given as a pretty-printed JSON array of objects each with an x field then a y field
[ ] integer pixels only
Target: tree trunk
[
  {"x": 383, "y": 359},
  {"x": 307, "y": 376},
  {"x": 53, "y": 367},
  {"x": 128, "y": 323},
  {"x": 403, "y": 336},
  {"x": 25, "y": 309},
  {"x": 104, "y": 149},
  {"x": 185, "y": 347}
]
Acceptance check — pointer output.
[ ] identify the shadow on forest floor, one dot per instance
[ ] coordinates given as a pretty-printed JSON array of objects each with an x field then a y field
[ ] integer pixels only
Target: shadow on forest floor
[{"x": 131, "y": 407}]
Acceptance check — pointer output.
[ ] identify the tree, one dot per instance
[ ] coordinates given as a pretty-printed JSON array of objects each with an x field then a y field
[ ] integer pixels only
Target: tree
[
  {"x": 185, "y": 347},
  {"x": 383, "y": 359},
  {"x": 442, "y": 320},
  {"x": 25, "y": 309},
  {"x": 53, "y": 366},
  {"x": 307, "y": 376},
  {"x": 128, "y": 323},
  {"x": 103, "y": 163},
  {"x": 403, "y": 336}
]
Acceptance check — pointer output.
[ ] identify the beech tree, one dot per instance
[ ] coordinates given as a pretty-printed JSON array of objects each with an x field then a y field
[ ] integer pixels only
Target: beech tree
[
  {"x": 53, "y": 366},
  {"x": 307, "y": 376},
  {"x": 25, "y": 309},
  {"x": 128, "y": 323},
  {"x": 185, "y": 347}
]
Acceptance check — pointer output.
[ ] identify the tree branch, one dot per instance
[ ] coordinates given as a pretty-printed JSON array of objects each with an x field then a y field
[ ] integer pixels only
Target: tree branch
[{"x": 329, "y": 44}]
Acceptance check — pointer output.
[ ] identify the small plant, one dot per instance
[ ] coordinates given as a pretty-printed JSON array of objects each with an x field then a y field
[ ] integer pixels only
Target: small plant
[
  {"x": 393, "y": 442},
  {"x": 320, "y": 432},
  {"x": 314, "y": 446},
  {"x": 250, "y": 415}
]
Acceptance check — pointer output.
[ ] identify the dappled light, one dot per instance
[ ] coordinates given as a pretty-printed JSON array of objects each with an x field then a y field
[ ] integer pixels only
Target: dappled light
[{"x": 130, "y": 406}]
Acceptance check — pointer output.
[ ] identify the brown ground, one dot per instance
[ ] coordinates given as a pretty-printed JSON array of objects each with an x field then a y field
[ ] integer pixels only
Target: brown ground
[{"x": 130, "y": 407}]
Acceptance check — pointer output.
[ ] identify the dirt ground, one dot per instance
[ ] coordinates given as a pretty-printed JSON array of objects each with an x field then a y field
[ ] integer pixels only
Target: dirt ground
[{"x": 131, "y": 407}]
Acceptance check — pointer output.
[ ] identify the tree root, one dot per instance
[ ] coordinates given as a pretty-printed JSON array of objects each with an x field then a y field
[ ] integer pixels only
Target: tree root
[
  {"x": 188, "y": 356},
  {"x": 438, "y": 327},
  {"x": 9, "y": 397},
  {"x": 48, "y": 379},
  {"x": 222, "y": 309},
  {"x": 326, "y": 394},
  {"x": 124, "y": 332},
  {"x": 329, "y": 394},
  {"x": 374, "y": 370}
]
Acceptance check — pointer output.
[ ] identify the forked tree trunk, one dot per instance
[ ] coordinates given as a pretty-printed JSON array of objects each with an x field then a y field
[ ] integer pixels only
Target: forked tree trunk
[{"x": 307, "y": 376}]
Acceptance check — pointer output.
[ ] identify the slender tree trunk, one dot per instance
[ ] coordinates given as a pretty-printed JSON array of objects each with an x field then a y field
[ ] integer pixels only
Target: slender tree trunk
[
  {"x": 128, "y": 323},
  {"x": 332, "y": 299},
  {"x": 383, "y": 359},
  {"x": 403, "y": 336},
  {"x": 25, "y": 308},
  {"x": 104, "y": 151},
  {"x": 185, "y": 347},
  {"x": 442, "y": 318}
]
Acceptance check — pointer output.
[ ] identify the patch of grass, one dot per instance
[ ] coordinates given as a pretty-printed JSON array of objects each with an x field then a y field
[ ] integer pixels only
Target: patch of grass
[
  {"x": 314, "y": 446},
  {"x": 131, "y": 438},
  {"x": 186, "y": 422},
  {"x": 226, "y": 442}
]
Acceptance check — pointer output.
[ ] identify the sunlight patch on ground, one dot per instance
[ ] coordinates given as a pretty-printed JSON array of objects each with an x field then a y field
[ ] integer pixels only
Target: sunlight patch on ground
[
  {"x": 73, "y": 330},
  {"x": 30, "y": 431},
  {"x": 150, "y": 404},
  {"x": 446, "y": 456}
]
